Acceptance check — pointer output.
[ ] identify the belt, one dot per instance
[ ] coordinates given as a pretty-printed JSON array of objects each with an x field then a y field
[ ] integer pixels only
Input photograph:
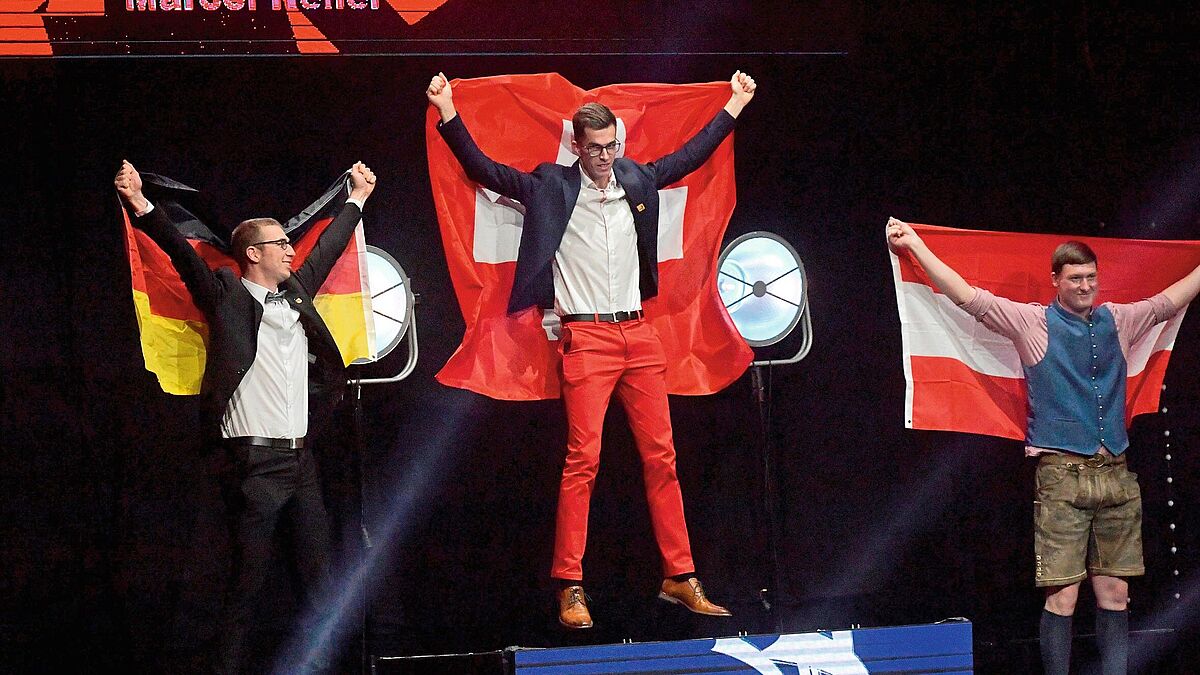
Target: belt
[
  {"x": 1072, "y": 461},
  {"x": 618, "y": 317},
  {"x": 264, "y": 442}
]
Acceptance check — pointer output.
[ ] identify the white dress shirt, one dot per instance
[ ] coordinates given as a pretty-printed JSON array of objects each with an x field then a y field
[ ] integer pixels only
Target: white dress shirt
[
  {"x": 272, "y": 399},
  {"x": 596, "y": 264}
]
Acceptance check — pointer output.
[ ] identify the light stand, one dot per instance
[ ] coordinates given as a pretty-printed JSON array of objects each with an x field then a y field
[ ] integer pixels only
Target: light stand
[
  {"x": 393, "y": 306},
  {"x": 763, "y": 286}
]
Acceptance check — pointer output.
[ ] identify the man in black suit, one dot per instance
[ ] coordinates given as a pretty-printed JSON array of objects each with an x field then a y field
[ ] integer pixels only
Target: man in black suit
[
  {"x": 589, "y": 251},
  {"x": 267, "y": 349}
]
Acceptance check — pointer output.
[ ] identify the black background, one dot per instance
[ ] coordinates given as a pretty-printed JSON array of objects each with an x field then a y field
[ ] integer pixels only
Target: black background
[{"x": 1081, "y": 119}]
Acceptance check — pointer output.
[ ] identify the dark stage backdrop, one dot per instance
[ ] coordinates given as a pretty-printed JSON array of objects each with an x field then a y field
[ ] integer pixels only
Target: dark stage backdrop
[{"x": 1077, "y": 120}]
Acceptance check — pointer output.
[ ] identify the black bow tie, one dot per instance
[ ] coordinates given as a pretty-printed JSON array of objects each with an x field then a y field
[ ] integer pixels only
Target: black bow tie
[{"x": 275, "y": 297}]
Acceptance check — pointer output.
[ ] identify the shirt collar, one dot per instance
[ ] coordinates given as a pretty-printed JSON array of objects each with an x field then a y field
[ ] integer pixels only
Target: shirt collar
[
  {"x": 591, "y": 184},
  {"x": 259, "y": 292},
  {"x": 1069, "y": 315}
]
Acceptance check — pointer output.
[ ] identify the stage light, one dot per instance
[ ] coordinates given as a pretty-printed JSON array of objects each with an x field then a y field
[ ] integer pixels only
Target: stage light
[
  {"x": 762, "y": 284},
  {"x": 393, "y": 306},
  {"x": 391, "y": 301}
]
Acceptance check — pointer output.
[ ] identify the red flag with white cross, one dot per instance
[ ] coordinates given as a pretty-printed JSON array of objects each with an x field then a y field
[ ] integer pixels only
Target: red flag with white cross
[{"x": 523, "y": 121}]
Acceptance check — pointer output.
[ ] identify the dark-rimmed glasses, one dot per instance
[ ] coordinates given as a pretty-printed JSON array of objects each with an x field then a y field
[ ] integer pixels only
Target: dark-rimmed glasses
[
  {"x": 281, "y": 243},
  {"x": 594, "y": 150}
]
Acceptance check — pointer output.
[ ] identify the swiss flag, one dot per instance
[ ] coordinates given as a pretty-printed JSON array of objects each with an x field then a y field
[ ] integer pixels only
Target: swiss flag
[
  {"x": 523, "y": 121},
  {"x": 963, "y": 377}
]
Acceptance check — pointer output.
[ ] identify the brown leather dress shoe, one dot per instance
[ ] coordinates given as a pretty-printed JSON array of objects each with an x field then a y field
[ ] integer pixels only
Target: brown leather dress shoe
[
  {"x": 572, "y": 608},
  {"x": 690, "y": 594}
]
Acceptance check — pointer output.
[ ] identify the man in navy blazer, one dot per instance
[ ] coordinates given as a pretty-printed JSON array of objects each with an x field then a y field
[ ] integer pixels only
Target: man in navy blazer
[
  {"x": 269, "y": 351},
  {"x": 589, "y": 251}
]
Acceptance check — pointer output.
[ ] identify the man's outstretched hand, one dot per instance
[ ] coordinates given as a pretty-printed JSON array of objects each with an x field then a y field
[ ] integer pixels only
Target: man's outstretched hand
[
  {"x": 441, "y": 97},
  {"x": 129, "y": 186},
  {"x": 362, "y": 181},
  {"x": 901, "y": 236},
  {"x": 743, "y": 87}
]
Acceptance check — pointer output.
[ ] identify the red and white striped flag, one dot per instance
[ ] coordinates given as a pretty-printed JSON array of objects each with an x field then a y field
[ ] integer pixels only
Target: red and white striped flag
[{"x": 960, "y": 376}]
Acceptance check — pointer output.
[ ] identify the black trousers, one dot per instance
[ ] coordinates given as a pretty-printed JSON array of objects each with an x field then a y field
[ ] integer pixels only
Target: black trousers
[{"x": 266, "y": 485}]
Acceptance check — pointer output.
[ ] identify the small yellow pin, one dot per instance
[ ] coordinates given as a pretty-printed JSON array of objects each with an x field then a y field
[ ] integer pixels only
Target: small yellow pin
[
  {"x": 641, "y": 207},
  {"x": 299, "y": 300}
]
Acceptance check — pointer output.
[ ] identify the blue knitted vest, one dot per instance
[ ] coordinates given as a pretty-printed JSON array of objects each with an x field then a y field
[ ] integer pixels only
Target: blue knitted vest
[{"x": 1077, "y": 393}]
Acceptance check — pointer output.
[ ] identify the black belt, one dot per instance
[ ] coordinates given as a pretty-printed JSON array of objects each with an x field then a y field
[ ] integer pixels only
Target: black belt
[
  {"x": 264, "y": 442},
  {"x": 604, "y": 318}
]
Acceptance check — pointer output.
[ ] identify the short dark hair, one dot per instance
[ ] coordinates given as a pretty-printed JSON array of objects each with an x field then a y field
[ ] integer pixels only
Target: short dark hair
[
  {"x": 246, "y": 233},
  {"x": 595, "y": 116},
  {"x": 1071, "y": 253}
]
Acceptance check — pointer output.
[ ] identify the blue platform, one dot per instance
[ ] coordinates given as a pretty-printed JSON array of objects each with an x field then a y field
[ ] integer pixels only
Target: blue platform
[{"x": 943, "y": 648}]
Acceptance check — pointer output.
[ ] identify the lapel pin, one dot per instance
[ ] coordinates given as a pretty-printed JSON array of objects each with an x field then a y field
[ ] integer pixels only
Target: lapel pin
[
  {"x": 641, "y": 207},
  {"x": 299, "y": 300}
]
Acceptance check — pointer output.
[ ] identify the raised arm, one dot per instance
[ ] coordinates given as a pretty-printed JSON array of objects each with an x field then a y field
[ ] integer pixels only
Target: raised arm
[
  {"x": 743, "y": 87},
  {"x": 1184, "y": 291},
  {"x": 902, "y": 237},
  {"x": 441, "y": 97},
  {"x": 480, "y": 168},
  {"x": 199, "y": 279},
  {"x": 332, "y": 243},
  {"x": 693, "y": 154},
  {"x": 129, "y": 187}
]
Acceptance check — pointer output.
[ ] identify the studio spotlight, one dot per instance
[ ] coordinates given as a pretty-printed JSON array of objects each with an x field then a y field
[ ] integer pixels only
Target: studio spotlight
[
  {"x": 394, "y": 308},
  {"x": 763, "y": 286}
]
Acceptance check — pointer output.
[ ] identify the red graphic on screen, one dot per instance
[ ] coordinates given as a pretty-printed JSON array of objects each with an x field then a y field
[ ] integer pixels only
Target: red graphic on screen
[
  {"x": 187, "y": 27},
  {"x": 22, "y": 27},
  {"x": 413, "y": 11}
]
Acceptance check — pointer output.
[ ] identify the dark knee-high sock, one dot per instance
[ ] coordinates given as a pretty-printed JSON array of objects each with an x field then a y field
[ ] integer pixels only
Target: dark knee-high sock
[
  {"x": 1112, "y": 639},
  {"x": 1054, "y": 636}
]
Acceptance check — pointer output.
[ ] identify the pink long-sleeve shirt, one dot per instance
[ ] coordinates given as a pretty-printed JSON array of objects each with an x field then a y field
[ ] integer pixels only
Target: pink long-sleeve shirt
[{"x": 1025, "y": 325}]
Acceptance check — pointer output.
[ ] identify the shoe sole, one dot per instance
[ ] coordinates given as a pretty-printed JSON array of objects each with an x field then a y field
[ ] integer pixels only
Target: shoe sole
[
  {"x": 564, "y": 624},
  {"x": 676, "y": 601}
]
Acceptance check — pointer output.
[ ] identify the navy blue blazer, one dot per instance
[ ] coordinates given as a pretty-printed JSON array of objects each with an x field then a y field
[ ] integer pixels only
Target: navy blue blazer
[
  {"x": 549, "y": 193},
  {"x": 234, "y": 315}
]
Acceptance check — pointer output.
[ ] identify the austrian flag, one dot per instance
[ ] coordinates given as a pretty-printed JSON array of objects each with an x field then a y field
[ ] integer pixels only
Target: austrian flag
[
  {"x": 525, "y": 120},
  {"x": 961, "y": 376}
]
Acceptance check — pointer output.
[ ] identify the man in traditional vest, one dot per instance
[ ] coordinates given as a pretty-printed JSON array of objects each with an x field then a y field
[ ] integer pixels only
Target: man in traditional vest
[{"x": 1088, "y": 507}]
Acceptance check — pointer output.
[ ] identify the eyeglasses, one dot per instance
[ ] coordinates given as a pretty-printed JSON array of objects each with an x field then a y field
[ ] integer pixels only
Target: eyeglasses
[
  {"x": 281, "y": 243},
  {"x": 594, "y": 150}
]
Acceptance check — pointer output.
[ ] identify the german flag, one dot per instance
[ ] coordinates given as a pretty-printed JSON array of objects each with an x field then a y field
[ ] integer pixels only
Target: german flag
[{"x": 174, "y": 332}]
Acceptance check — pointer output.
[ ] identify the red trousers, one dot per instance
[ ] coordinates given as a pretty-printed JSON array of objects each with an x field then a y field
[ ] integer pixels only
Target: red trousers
[{"x": 599, "y": 359}]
